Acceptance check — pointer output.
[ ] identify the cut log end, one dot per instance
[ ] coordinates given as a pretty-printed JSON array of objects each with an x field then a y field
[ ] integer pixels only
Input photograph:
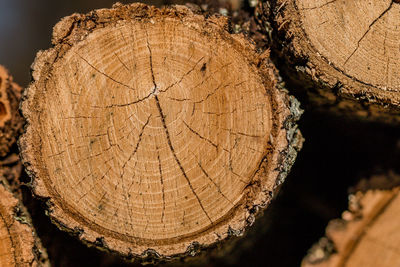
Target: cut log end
[
  {"x": 155, "y": 132},
  {"x": 19, "y": 244},
  {"x": 367, "y": 234},
  {"x": 10, "y": 120},
  {"x": 349, "y": 49}
]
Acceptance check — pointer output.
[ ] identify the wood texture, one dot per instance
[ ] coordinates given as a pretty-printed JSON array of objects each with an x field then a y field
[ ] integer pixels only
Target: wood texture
[
  {"x": 19, "y": 245},
  {"x": 367, "y": 235},
  {"x": 10, "y": 120},
  {"x": 153, "y": 132},
  {"x": 344, "y": 53}
]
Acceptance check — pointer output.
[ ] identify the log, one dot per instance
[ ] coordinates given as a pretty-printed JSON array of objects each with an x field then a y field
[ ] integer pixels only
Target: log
[
  {"x": 367, "y": 235},
  {"x": 343, "y": 56},
  {"x": 10, "y": 120},
  {"x": 154, "y": 133},
  {"x": 19, "y": 244}
]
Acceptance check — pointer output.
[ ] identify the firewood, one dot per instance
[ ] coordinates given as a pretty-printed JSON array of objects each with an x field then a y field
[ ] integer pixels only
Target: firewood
[
  {"x": 367, "y": 235},
  {"x": 10, "y": 120},
  {"x": 19, "y": 245},
  {"x": 155, "y": 132},
  {"x": 342, "y": 55}
]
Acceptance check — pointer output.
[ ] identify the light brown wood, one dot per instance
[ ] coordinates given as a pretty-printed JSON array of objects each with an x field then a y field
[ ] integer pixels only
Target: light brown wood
[
  {"x": 19, "y": 245},
  {"x": 367, "y": 235},
  {"x": 349, "y": 50},
  {"x": 10, "y": 120},
  {"x": 155, "y": 132}
]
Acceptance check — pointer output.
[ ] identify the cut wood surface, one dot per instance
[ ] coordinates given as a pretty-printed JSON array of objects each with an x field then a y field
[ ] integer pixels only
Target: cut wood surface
[
  {"x": 348, "y": 49},
  {"x": 19, "y": 245},
  {"x": 10, "y": 120},
  {"x": 155, "y": 132},
  {"x": 367, "y": 235}
]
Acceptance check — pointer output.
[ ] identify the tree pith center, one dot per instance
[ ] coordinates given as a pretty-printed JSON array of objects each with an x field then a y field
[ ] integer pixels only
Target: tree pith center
[{"x": 154, "y": 165}]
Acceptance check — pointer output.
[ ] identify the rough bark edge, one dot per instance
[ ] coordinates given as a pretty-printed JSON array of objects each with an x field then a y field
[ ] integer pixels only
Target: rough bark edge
[
  {"x": 287, "y": 113},
  {"x": 11, "y": 122},
  {"x": 334, "y": 248},
  {"x": 10, "y": 173},
  {"x": 339, "y": 95},
  {"x": 22, "y": 220}
]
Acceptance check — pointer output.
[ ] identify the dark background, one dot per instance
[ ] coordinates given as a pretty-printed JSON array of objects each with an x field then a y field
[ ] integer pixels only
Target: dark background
[
  {"x": 337, "y": 153},
  {"x": 26, "y": 27}
]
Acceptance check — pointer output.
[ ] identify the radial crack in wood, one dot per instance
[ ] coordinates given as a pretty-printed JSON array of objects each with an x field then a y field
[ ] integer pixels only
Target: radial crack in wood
[
  {"x": 346, "y": 52},
  {"x": 367, "y": 234},
  {"x": 155, "y": 131}
]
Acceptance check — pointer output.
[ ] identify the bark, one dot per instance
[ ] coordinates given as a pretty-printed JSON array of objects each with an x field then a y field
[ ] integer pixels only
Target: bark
[
  {"x": 20, "y": 245},
  {"x": 10, "y": 120},
  {"x": 367, "y": 234},
  {"x": 155, "y": 132},
  {"x": 341, "y": 56}
]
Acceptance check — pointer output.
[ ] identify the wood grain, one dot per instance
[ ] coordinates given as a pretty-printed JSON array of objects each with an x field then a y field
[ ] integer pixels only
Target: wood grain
[
  {"x": 155, "y": 131},
  {"x": 344, "y": 53},
  {"x": 367, "y": 235}
]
